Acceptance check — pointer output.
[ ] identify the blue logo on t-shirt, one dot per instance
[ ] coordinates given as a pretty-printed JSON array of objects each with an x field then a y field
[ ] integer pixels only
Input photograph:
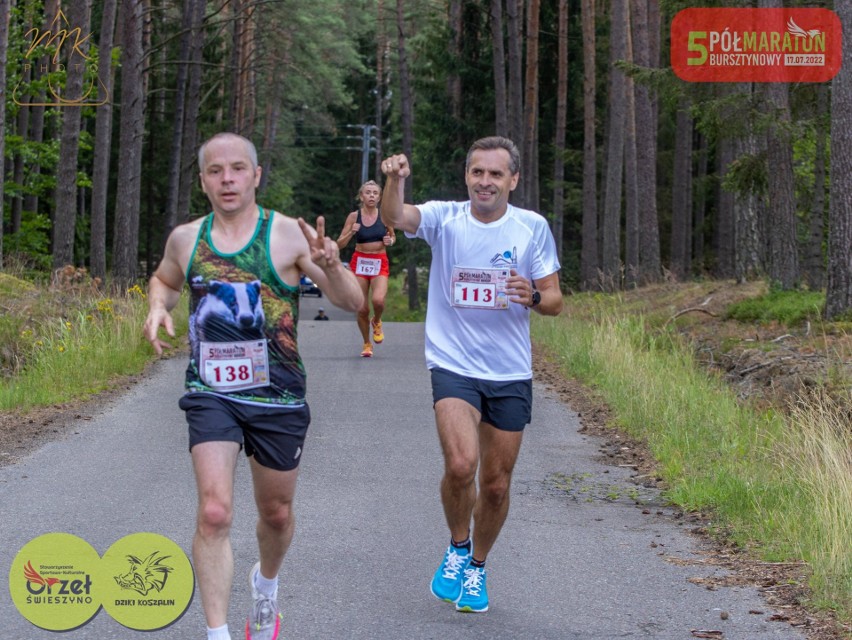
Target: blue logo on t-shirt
[{"x": 506, "y": 259}]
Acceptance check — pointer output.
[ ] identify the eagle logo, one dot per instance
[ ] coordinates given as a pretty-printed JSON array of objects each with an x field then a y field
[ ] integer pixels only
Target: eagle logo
[
  {"x": 34, "y": 576},
  {"x": 797, "y": 31}
]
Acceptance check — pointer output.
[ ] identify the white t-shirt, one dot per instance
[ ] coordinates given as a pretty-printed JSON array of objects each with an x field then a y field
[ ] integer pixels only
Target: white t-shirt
[{"x": 486, "y": 341}]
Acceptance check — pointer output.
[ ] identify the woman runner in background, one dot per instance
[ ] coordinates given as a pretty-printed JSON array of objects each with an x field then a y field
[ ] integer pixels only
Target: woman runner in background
[{"x": 369, "y": 261}]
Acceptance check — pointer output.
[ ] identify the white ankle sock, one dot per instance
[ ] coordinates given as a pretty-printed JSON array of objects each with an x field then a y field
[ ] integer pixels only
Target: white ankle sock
[
  {"x": 219, "y": 633},
  {"x": 266, "y": 586}
]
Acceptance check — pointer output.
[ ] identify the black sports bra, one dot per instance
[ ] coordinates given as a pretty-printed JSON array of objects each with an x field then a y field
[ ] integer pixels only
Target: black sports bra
[{"x": 374, "y": 233}]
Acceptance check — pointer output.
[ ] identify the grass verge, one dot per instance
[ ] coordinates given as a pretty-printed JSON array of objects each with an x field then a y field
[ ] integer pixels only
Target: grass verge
[
  {"x": 396, "y": 302},
  {"x": 775, "y": 483},
  {"x": 69, "y": 344}
]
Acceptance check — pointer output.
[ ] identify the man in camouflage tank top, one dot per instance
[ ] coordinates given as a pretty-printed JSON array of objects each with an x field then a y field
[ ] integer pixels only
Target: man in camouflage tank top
[{"x": 245, "y": 382}]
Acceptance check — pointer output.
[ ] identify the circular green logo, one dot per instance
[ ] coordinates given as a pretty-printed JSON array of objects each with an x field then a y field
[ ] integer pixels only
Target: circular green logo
[
  {"x": 150, "y": 581},
  {"x": 56, "y": 582}
]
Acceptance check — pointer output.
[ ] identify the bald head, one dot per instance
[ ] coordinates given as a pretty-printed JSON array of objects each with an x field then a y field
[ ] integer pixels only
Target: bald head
[{"x": 251, "y": 151}]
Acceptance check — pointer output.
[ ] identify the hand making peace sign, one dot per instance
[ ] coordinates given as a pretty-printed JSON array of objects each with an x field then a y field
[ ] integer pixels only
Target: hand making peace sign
[{"x": 324, "y": 250}]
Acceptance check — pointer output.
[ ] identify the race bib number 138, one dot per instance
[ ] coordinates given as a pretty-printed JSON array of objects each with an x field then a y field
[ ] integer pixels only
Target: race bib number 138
[{"x": 234, "y": 366}]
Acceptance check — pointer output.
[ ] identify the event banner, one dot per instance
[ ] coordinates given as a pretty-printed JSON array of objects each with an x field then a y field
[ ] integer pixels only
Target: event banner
[{"x": 756, "y": 45}]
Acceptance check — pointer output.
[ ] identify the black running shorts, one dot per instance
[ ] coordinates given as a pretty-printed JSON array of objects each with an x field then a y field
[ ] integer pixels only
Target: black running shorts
[
  {"x": 274, "y": 435},
  {"x": 505, "y": 405}
]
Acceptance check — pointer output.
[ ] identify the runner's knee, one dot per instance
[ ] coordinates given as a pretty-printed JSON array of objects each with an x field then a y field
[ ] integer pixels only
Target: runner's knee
[
  {"x": 460, "y": 469},
  {"x": 214, "y": 517},
  {"x": 277, "y": 517},
  {"x": 495, "y": 491}
]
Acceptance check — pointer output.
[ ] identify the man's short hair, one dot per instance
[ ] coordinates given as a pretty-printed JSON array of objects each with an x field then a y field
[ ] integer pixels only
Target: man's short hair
[
  {"x": 496, "y": 142},
  {"x": 250, "y": 148}
]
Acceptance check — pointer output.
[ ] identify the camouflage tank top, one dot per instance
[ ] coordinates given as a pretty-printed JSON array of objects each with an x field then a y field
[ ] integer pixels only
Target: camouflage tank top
[{"x": 242, "y": 323}]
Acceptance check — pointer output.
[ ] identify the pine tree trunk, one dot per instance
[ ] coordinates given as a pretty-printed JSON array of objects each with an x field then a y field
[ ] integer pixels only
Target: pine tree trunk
[
  {"x": 838, "y": 296},
  {"x": 724, "y": 228},
  {"x": 454, "y": 83},
  {"x": 681, "y": 194},
  {"x": 22, "y": 123},
  {"x": 783, "y": 262},
  {"x": 178, "y": 118},
  {"x": 631, "y": 169},
  {"x": 37, "y": 119},
  {"x": 700, "y": 205},
  {"x": 814, "y": 267},
  {"x": 589, "y": 256},
  {"x": 189, "y": 145},
  {"x": 381, "y": 86},
  {"x": 611, "y": 256},
  {"x": 499, "y": 62},
  {"x": 127, "y": 204},
  {"x": 5, "y": 8},
  {"x": 644, "y": 55},
  {"x": 407, "y": 108},
  {"x": 561, "y": 119},
  {"x": 65, "y": 213},
  {"x": 103, "y": 140},
  {"x": 514, "y": 12},
  {"x": 529, "y": 173},
  {"x": 748, "y": 240}
]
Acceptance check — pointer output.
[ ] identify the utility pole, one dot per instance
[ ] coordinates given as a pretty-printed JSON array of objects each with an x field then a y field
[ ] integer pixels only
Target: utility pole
[
  {"x": 365, "y": 151},
  {"x": 367, "y": 146}
]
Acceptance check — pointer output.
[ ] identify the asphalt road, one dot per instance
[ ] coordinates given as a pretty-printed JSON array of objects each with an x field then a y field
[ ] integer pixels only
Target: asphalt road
[{"x": 577, "y": 558}]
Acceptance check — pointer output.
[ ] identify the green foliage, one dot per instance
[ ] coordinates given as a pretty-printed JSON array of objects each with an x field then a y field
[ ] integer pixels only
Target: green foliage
[
  {"x": 747, "y": 174},
  {"x": 396, "y": 302},
  {"x": 50, "y": 334},
  {"x": 325, "y": 86},
  {"x": 31, "y": 243},
  {"x": 440, "y": 140},
  {"x": 789, "y": 308}
]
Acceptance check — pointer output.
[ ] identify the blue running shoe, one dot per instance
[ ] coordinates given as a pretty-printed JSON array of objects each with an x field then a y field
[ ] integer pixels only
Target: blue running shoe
[
  {"x": 474, "y": 597},
  {"x": 447, "y": 581}
]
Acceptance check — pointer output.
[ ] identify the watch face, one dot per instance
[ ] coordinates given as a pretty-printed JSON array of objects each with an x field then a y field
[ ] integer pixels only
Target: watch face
[{"x": 536, "y": 298}]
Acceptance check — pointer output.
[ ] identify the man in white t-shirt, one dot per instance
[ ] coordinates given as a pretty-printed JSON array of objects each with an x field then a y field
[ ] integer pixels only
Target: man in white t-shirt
[{"x": 492, "y": 263}]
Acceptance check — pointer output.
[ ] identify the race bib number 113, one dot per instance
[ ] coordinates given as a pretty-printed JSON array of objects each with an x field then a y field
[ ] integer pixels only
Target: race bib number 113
[{"x": 480, "y": 288}]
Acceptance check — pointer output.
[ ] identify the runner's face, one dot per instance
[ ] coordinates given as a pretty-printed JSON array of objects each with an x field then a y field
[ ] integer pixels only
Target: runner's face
[
  {"x": 489, "y": 182},
  {"x": 228, "y": 178},
  {"x": 370, "y": 196}
]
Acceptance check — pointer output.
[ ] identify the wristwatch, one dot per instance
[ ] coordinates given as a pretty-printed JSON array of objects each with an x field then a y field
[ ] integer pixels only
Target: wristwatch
[{"x": 536, "y": 297}]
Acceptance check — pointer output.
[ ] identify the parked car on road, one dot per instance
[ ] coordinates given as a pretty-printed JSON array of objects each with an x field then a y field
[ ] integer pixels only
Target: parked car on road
[{"x": 308, "y": 288}]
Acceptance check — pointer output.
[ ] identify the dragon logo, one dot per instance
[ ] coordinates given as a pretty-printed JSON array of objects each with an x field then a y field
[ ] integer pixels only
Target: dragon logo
[{"x": 145, "y": 575}]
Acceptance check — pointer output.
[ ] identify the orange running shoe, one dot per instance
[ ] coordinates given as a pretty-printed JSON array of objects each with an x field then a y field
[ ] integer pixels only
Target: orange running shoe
[
  {"x": 368, "y": 351},
  {"x": 378, "y": 336}
]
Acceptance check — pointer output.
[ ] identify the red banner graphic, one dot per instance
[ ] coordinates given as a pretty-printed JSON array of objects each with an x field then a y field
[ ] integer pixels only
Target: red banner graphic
[{"x": 756, "y": 45}]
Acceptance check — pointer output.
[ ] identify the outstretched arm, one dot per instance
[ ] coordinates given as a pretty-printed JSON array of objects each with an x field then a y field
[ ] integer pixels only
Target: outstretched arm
[
  {"x": 164, "y": 288},
  {"x": 395, "y": 213}
]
